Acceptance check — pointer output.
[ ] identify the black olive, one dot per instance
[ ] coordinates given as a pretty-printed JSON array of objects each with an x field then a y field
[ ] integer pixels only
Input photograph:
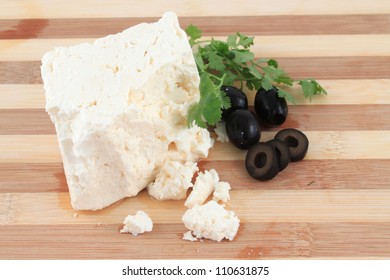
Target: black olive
[
  {"x": 242, "y": 129},
  {"x": 238, "y": 100},
  {"x": 296, "y": 141},
  {"x": 282, "y": 152},
  {"x": 262, "y": 162},
  {"x": 271, "y": 109}
]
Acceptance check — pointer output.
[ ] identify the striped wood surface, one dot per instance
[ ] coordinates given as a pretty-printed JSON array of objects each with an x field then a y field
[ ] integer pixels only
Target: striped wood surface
[{"x": 335, "y": 204}]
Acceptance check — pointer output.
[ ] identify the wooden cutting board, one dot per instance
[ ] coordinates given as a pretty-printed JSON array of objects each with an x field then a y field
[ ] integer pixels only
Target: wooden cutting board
[{"x": 334, "y": 204}]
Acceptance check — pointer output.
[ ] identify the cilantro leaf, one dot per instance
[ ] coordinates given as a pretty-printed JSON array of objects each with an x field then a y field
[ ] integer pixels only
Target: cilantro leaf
[
  {"x": 194, "y": 33},
  {"x": 225, "y": 62},
  {"x": 209, "y": 108}
]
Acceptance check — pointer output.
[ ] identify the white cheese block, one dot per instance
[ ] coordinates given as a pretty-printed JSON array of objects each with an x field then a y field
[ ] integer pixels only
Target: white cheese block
[
  {"x": 120, "y": 106},
  {"x": 212, "y": 221},
  {"x": 203, "y": 187},
  {"x": 173, "y": 180},
  {"x": 221, "y": 192},
  {"x": 137, "y": 224}
]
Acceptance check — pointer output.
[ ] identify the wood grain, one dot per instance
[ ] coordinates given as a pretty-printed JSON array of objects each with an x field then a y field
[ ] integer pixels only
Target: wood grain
[
  {"x": 210, "y": 25},
  {"x": 265, "y": 46},
  {"x": 340, "y": 92},
  {"x": 334, "y": 204},
  {"x": 308, "y": 174},
  {"x": 260, "y": 205},
  {"x": 117, "y": 8},
  {"x": 338, "y": 117},
  {"x": 269, "y": 240},
  {"x": 28, "y": 72},
  {"x": 367, "y": 144}
]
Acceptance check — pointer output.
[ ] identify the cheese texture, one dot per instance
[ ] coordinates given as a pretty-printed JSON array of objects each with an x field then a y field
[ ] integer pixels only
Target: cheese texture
[
  {"x": 203, "y": 187},
  {"x": 120, "y": 108},
  {"x": 211, "y": 221},
  {"x": 173, "y": 180},
  {"x": 221, "y": 192},
  {"x": 189, "y": 237},
  {"x": 220, "y": 130},
  {"x": 137, "y": 224}
]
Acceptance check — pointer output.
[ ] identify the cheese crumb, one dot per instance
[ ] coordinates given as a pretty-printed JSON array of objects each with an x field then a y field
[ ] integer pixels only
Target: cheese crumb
[
  {"x": 203, "y": 187},
  {"x": 137, "y": 224},
  {"x": 211, "y": 221},
  {"x": 75, "y": 215},
  {"x": 220, "y": 130},
  {"x": 189, "y": 237},
  {"x": 221, "y": 192},
  {"x": 173, "y": 180}
]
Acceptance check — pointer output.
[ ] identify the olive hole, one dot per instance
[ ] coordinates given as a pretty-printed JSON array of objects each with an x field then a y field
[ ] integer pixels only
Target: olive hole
[
  {"x": 291, "y": 142},
  {"x": 260, "y": 160}
]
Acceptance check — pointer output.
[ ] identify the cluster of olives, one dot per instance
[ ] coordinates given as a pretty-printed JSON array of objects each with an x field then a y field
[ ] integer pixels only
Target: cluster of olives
[{"x": 264, "y": 160}]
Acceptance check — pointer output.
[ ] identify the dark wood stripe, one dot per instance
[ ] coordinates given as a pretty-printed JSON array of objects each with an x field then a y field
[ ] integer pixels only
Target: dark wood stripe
[
  {"x": 25, "y": 121},
  {"x": 337, "y": 117},
  {"x": 28, "y": 72},
  {"x": 307, "y": 174},
  {"x": 313, "y": 117},
  {"x": 310, "y": 174},
  {"x": 32, "y": 177},
  {"x": 252, "y": 25},
  {"x": 253, "y": 241}
]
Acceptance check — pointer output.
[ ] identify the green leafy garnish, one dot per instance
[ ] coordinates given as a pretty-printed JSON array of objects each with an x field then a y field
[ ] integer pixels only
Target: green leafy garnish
[{"x": 225, "y": 62}]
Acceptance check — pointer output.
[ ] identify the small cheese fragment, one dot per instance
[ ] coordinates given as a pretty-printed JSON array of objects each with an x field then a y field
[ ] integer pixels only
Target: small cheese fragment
[
  {"x": 220, "y": 130},
  {"x": 137, "y": 224},
  {"x": 173, "y": 180},
  {"x": 221, "y": 192},
  {"x": 211, "y": 221},
  {"x": 120, "y": 108},
  {"x": 203, "y": 187},
  {"x": 189, "y": 237}
]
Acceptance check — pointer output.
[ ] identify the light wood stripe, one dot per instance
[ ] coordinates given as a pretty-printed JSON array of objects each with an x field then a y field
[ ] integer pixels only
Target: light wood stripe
[
  {"x": 28, "y": 72},
  {"x": 362, "y": 91},
  {"x": 22, "y": 96},
  {"x": 315, "y": 117},
  {"x": 251, "y": 206},
  {"x": 254, "y": 241},
  {"x": 116, "y": 8},
  {"x": 219, "y": 25},
  {"x": 307, "y": 174},
  {"x": 32, "y": 96},
  {"x": 266, "y": 46},
  {"x": 323, "y": 145}
]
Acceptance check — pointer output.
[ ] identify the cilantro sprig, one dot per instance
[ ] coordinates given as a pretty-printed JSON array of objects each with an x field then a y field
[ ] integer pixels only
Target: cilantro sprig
[{"x": 225, "y": 62}]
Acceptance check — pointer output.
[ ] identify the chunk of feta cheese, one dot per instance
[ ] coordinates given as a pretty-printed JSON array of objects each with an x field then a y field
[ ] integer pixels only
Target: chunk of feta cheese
[
  {"x": 212, "y": 221},
  {"x": 173, "y": 180},
  {"x": 203, "y": 187},
  {"x": 189, "y": 237},
  {"x": 221, "y": 192},
  {"x": 120, "y": 109},
  {"x": 137, "y": 224},
  {"x": 220, "y": 130}
]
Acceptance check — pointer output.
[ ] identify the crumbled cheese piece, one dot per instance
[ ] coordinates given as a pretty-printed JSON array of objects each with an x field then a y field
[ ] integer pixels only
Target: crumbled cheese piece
[
  {"x": 189, "y": 237},
  {"x": 120, "y": 108},
  {"x": 137, "y": 224},
  {"x": 199, "y": 148},
  {"x": 203, "y": 187},
  {"x": 75, "y": 215},
  {"x": 220, "y": 130},
  {"x": 211, "y": 221},
  {"x": 173, "y": 180},
  {"x": 221, "y": 192}
]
